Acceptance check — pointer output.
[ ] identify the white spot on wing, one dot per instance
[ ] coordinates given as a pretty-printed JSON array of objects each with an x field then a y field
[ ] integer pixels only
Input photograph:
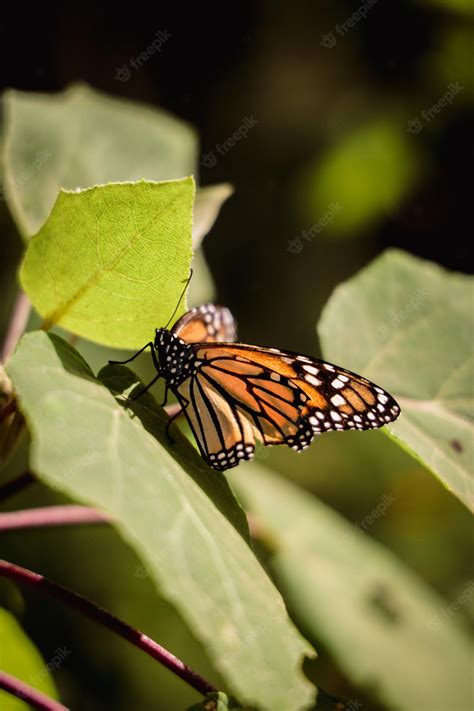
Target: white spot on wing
[{"x": 312, "y": 380}]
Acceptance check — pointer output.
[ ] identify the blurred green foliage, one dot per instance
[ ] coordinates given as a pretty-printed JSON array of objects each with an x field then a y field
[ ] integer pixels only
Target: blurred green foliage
[
  {"x": 366, "y": 174},
  {"x": 20, "y": 659}
]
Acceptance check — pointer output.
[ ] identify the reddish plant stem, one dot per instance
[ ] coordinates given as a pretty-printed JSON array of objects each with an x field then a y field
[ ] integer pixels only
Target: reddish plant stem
[
  {"x": 105, "y": 618},
  {"x": 27, "y": 693},
  {"x": 15, "y": 485},
  {"x": 68, "y": 515},
  {"x": 18, "y": 321},
  {"x": 8, "y": 409}
]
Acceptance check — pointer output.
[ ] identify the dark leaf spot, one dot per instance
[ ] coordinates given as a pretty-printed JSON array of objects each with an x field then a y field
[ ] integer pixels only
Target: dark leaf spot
[{"x": 382, "y": 600}]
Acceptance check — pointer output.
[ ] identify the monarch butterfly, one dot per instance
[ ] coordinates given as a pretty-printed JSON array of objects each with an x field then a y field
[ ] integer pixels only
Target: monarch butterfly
[{"x": 233, "y": 394}]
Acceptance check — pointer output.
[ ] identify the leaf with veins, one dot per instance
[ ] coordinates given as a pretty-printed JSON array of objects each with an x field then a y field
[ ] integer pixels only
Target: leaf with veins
[
  {"x": 407, "y": 324},
  {"x": 109, "y": 263},
  {"x": 88, "y": 446}
]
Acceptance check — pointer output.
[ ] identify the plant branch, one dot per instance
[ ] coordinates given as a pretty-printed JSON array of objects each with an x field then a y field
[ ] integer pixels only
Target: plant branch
[
  {"x": 98, "y": 614},
  {"x": 8, "y": 409},
  {"x": 18, "y": 321},
  {"x": 27, "y": 693},
  {"x": 68, "y": 515},
  {"x": 15, "y": 485}
]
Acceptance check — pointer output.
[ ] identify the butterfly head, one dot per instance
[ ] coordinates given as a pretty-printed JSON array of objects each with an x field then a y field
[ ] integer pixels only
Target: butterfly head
[{"x": 174, "y": 355}]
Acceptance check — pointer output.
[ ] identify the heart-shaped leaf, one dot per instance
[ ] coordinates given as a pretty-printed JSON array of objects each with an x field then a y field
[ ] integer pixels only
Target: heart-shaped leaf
[
  {"x": 407, "y": 325},
  {"x": 110, "y": 262},
  {"x": 387, "y": 630}
]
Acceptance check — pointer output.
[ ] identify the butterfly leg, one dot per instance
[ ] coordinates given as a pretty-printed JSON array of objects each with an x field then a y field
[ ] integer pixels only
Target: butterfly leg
[
  {"x": 155, "y": 363},
  {"x": 129, "y": 360},
  {"x": 165, "y": 399}
]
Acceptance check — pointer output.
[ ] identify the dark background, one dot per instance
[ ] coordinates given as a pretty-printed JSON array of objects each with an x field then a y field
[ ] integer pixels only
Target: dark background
[{"x": 265, "y": 60}]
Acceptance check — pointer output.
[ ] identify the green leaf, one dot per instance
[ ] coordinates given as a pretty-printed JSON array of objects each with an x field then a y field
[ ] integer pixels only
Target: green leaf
[
  {"x": 169, "y": 509},
  {"x": 80, "y": 138},
  {"x": 407, "y": 325},
  {"x": 110, "y": 262},
  {"x": 20, "y": 658},
  {"x": 386, "y": 629},
  {"x": 361, "y": 178},
  {"x": 217, "y": 701}
]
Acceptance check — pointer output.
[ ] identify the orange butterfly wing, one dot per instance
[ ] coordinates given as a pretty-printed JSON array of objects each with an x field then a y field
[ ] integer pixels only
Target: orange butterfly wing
[
  {"x": 206, "y": 324},
  {"x": 238, "y": 394}
]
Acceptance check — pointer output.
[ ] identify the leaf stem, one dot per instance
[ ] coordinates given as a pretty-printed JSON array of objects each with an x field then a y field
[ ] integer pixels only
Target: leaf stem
[
  {"x": 8, "y": 409},
  {"x": 105, "y": 618},
  {"x": 15, "y": 485},
  {"x": 68, "y": 515},
  {"x": 18, "y": 321},
  {"x": 27, "y": 693}
]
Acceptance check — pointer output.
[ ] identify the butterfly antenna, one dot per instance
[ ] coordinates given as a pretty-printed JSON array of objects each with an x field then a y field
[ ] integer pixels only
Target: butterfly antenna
[{"x": 181, "y": 297}]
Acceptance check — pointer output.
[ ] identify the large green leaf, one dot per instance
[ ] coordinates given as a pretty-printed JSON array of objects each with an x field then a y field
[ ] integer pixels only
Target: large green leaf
[
  {"x": 20, "y": 658},
  {"x": 408, "y": 325},
  {"x": 110, "y": 262},
  {"x": 177, "y": 514},
  {"x": 387, "y": 630},
  {"x": 80, "y": 138}
]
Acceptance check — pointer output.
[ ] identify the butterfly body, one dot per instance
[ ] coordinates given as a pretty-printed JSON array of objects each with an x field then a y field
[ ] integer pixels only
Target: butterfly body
[
  {"x": 175, "y": 357},
  {"x": 234, "y": 394}
]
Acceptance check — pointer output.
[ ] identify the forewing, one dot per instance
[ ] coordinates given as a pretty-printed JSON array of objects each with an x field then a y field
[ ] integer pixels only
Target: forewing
[
  {"x": 207, "y": 323},
  {"x": 336, "y": 398}
]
